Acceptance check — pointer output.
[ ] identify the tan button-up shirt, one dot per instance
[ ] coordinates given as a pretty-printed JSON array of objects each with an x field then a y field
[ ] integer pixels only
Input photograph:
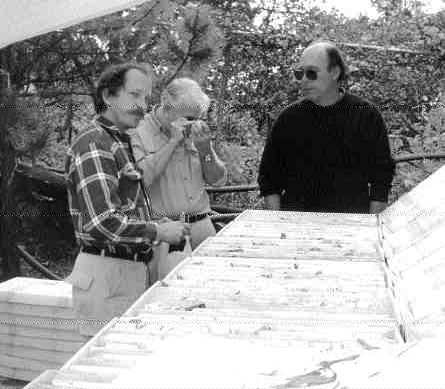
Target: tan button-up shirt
[{"x": 181, "y": 186}]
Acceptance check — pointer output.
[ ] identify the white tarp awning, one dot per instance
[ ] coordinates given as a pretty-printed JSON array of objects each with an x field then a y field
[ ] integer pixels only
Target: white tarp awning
[{"x": 23, "y": 19}]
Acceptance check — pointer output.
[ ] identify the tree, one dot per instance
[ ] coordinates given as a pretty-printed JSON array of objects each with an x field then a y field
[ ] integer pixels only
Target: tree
[
  {"x": 15, "y": 119},
  {"x": 397, "y": 7}
]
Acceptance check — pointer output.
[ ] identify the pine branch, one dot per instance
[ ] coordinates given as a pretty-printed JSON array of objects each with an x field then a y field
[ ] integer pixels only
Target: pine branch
[
  {"x": 146, "y": 14},
  {"x": 192, "y": 40}
]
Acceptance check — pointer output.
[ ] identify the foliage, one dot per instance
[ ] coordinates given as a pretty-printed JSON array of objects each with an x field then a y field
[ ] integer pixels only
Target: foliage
[
  {"x": 15, "y": 120},
  {"x": 243, "y": 53},
  {"x": 429, "y": 138}
]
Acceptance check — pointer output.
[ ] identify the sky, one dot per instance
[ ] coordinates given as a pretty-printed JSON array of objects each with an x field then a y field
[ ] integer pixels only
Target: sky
[{"x": 353, "y": 8}]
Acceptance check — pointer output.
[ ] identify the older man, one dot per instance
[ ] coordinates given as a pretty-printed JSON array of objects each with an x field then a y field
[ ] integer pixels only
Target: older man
[
  {"x": 108, "y": 203},
  {"x": 328, "y": 152},
  {"x": 173, "y": 148}
]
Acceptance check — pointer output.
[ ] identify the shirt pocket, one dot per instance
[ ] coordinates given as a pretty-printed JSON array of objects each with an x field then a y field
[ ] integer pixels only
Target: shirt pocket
[
  {"x": 80, "y": 280},
  {"x": 196, "y": 170},
  {"x": 130, "y": 181},
  {"x": 83, "y": 293}
]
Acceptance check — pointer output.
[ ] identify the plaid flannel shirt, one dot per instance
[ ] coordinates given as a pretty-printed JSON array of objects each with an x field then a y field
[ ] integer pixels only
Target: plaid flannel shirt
[{"x": 105, "y": 193}]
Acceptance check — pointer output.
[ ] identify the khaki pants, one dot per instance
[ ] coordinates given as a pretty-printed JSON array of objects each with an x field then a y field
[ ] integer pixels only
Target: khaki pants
[
  {"x": 163, "y": 261},
  {"x": 200, "y": 231},
  {"x": 103, "y": 288}
]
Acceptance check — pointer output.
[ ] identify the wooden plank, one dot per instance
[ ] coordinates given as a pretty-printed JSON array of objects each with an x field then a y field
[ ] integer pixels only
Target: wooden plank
[
  {"x": 237, "y": 313},
  {"x": 162, "y": 340},
  {"x": 38, "y": 322},
  {"x": 270, "y": 280},
  {"x": 27, "y": 364},
  {"x": 331, "y": 268},
  {"x": 43, "y": 381},
  {"x": 326, "y": 242},
  {"x": 41, "y": 343},
  {"x": 206, "y": 360},
  {"x": 277, "y": 248},
  {"x": 317, "y": 218},
  {"x": 250, "y": 323},
  {"x": 32, "y": 353},
  {"x": 427, "y": 299},
  {"x": 162, "y": 325},
  {"x": 213, "y": 269},
  {"x": 302, "y": 234},
  {"x": 179, "y": 299},
  {"x": 24, "y": 290},
  {"x": 37, "y": 310},
  {"x": 68, "y": 378},
  {"x": 360, "y": 341},
  {"x": 419, "y": 252},
  {"x": 21, "y": 373},
  {"x": 373, "y": 339},
  {"x": 122, "y": 348},
  {"x": 35, "y": 332},
  {"x": 413, "y": 365},
  {"x": 323, "y": 307},
  {"x": 84, "y": 350},
  {"x": 426, "y": 198},
  {"x": 414, "y": 233},
  {"x": 315, "y": 280}
]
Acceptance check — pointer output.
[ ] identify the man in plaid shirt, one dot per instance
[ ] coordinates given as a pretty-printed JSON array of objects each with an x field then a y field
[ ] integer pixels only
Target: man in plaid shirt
[{"x": 109, "y": 205}]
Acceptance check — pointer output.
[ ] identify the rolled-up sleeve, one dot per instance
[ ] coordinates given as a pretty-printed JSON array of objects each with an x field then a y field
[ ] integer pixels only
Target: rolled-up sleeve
[{"x": 145, "y": 156}]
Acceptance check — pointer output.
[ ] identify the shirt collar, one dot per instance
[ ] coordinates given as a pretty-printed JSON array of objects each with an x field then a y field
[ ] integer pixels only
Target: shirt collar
[{"x": 109, "y": 126}]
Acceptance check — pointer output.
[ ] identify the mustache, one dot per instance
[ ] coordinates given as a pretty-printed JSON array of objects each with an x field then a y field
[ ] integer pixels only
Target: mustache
[{"x": 136, "y": 112}]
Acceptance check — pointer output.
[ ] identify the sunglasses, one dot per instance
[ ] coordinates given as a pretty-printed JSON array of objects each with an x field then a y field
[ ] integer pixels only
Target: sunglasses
[{"x": 310, "y": 74}]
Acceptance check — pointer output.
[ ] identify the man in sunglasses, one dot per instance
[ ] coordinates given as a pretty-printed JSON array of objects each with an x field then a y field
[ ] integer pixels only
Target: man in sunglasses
[{"x": 329, "y": 151}]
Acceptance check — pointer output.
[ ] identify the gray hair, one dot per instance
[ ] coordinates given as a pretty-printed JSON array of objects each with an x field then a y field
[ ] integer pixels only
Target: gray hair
[{"x": 185, "y": 93}]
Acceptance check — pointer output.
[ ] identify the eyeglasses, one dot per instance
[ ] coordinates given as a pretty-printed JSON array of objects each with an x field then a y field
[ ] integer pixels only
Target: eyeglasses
[{"x": 310, "y": 74}]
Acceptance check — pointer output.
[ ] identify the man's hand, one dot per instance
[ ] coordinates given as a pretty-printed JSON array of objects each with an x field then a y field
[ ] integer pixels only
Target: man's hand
[
  {"x": 177, "y": 132},
  {"x": 376, "y": 206},
  {"x": 201, "y": 137},
  {"x": 273, "y": 202},
  {"x": 173, "y": 232}
]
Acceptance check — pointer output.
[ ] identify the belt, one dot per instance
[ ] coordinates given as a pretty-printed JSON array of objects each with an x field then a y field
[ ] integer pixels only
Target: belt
[
  {"x": 193, "y": 217},
  {"x": 119, "y": 252}
]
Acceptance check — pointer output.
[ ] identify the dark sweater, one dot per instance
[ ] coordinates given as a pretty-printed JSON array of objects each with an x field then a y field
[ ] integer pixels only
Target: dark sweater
[{"x": 334, "y": 158}]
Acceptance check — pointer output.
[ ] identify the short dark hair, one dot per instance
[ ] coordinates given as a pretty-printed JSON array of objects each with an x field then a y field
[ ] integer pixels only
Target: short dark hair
[
  {"x": 335, "y": 58},
  {"x": 113, "y": 79}
]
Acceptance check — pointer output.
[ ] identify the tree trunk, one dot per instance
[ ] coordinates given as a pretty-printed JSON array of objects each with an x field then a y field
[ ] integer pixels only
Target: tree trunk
[{"x": 10, "y": 266}]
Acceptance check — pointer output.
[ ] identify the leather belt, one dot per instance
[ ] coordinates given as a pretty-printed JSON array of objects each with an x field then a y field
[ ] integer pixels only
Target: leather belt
[
  {"x": 193, "y": 217},
  {"x": 119, "y": 252}
]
